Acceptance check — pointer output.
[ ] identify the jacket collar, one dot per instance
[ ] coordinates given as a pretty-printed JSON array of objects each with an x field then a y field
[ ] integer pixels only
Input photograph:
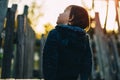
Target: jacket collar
[{"x": 75, "y": 29}]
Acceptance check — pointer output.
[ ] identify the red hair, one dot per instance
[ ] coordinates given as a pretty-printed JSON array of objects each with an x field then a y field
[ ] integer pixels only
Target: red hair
[{"x": 80, "y": 16}]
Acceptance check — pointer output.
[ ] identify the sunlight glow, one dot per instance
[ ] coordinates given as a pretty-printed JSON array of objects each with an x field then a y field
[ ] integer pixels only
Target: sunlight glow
[
  {"x": 119, "y": 14},
  {"x": 39, "y": 29},
  {"x": 111, "y": 16},
  {"x": 100, "y": 6},
  {"x": 20, "y": 4},
  {"x": 52, "y": 8},
  {"x": 116, "y": 27},
  {"x": 92, "y": 13},
  {"x": 12, "y": 2},
  {"x": 119, "y": 3},
  {"x": 87, "y": 3}
]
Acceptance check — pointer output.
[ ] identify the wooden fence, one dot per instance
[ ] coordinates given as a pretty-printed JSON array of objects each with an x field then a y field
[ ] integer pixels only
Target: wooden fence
[
  {"x": 23, "y": 39},
  {"x": 106, "y": 53}
]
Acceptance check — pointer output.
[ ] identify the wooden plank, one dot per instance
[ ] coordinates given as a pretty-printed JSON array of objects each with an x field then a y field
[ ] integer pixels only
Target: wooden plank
[
  {"x": 29, "y": 47},
  {"x": 25, "y": 10},
  {"x": 42, "y": 43},
  {"x": 8, "y": 45},
  {"x": 20, "y": 48},
  {"x": 3, "y": 12},
  {"x": 115, "y": 55},
  {"x": 29, "y": 52},
  {"x": 102, "y": 50},
  {"x": 25, "y": 48},
  {"x": 117, "y": 8}
]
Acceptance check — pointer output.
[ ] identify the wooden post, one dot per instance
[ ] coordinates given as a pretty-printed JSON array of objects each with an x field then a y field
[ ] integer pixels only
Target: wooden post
[
  {"x": 3, "y": 11},
  {"x": 102, "y": 50},
  {"x": 42, "y": 43},
  {"x": 116, "y": 56},
  {"x": 117, "y": 13},
  {"x": 20, "y": 48},
  {"x": 8, "y": 45},
  {"x": 25, "y": 48},
  {"x": 25, "y": 10},
  {"x": 29, "y": 52},
  {"x": 29, "y": 47}
]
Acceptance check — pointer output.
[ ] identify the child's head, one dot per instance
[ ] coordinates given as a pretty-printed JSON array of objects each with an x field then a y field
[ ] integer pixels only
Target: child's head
[{"x": 74, "y": 15}]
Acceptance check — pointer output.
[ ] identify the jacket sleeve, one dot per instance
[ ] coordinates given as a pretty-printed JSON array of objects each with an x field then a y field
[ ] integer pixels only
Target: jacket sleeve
[
  {"x": 50, "y": 56},
  {"x": 88, "y": 61}
]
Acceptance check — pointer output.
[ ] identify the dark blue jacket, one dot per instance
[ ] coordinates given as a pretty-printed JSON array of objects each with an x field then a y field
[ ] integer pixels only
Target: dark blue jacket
[{"x": 66, "y": 53}]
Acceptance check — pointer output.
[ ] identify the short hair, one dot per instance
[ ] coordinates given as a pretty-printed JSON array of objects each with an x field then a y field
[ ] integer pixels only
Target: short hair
[{"x": 80, "y": 16}]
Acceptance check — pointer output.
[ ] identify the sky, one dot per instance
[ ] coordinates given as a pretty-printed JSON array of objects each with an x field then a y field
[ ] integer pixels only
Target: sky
[{"x": 52, "y": 8}]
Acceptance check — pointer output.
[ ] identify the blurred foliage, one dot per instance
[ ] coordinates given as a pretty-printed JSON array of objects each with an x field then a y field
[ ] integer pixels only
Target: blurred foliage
[
  {"x": 38, "y": 36},
  {"x": 1, "y": 56},
  {"x": 34, "y": 14},
  {"x": 48, "y": 28}
]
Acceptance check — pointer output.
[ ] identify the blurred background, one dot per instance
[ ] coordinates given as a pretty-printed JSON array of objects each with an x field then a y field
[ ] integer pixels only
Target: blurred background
[{"x": 25, "y": 24}]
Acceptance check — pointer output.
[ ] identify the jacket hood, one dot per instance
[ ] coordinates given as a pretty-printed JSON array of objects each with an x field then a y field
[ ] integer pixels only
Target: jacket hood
[
  {"x": 71, "y": 35},
  {"x": 71, "y": 30}
]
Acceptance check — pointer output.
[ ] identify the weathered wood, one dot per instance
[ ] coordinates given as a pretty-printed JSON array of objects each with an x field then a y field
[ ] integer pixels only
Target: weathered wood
[
  {"x": 25, "y": 49},
  {"x": 116, "y": 58},
  {"x": 102, "y": 50},
  {"x": 3, "y": 12},
  {"x": 20, "y": 48},
  {"x": 117, "y": 8},
  {"x": 42, "y": 43},
  {"x": 26, "y": 10},
  {"x": 14, "y": 8},
  {"x": 29, "y": 52},
  {"x": 8, "y": 45},
  {"x": 29, "y": 47}
]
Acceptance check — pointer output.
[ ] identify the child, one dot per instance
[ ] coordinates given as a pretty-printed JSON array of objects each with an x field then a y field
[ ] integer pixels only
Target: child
[{"x": 67, "y": 53}]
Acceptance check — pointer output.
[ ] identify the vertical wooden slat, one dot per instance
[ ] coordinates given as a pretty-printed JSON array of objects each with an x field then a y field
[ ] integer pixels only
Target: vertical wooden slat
[
  {"x": 29, "y": 52},
  {"x": 3, "y": 12},
  {"x": 25, "y": 48},
  {"x": 42, "y": 43},
  {"x": 29, "y": 47},
  {"x": 25, "y": 10},
  {"x": 20, "y": 48},
  {"x": 116, "y": 56},
  {"x": 117, "y": 13},
  {"x": 8, "y": 45},
  {"x": 102, "y": 50}
]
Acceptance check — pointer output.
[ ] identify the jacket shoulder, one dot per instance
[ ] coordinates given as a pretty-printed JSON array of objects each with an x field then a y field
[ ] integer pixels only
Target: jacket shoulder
[
  {"x": 53, "y": 34},
  {"x": 53, "y": 31}
]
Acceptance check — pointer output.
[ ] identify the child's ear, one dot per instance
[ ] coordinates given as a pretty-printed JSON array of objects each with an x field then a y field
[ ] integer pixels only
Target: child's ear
[{"x": 71, "y": 18}]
